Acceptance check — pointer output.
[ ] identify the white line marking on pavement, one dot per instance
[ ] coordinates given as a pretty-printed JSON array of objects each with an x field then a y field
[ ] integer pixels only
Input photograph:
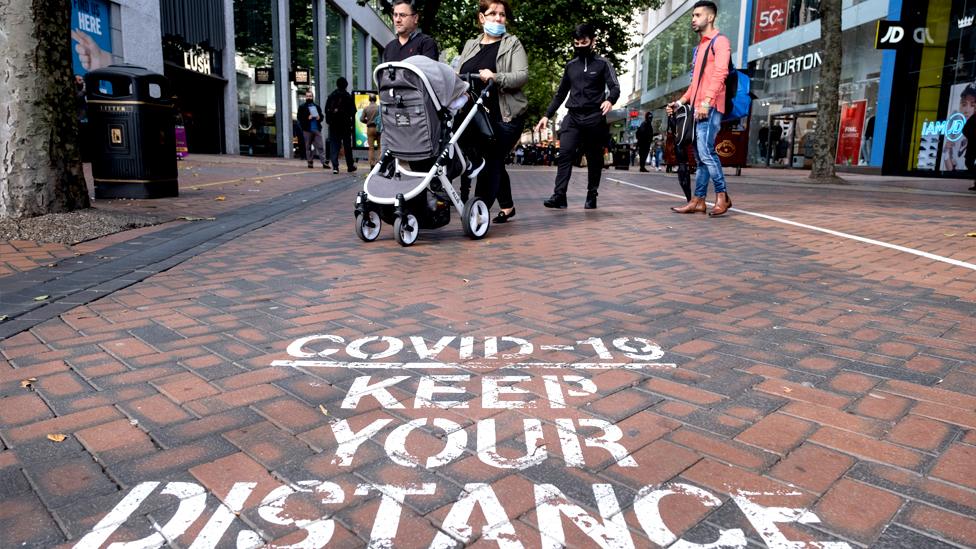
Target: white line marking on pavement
[
  {"x": 912, "y": 251},
  {"x": 473, "y": 365}
]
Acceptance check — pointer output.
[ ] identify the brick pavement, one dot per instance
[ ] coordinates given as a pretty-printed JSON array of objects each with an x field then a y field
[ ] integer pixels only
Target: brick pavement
[
  {"x": 209, "y": 186},
  {"x": 772, "y": 383}
]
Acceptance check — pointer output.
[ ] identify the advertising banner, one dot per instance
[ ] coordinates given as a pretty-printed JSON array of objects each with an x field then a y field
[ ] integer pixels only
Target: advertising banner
[
  {"x": 91, "y": 35},
  {"x": 770, "y": 19},
  {"x": 962, "y": 105},
  {"x": 359, "y": 136},
  {"x": 851, "y": 132}
]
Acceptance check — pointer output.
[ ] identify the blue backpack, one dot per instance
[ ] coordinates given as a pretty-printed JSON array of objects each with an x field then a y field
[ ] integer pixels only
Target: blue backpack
[{"x": 738, "y": 87}]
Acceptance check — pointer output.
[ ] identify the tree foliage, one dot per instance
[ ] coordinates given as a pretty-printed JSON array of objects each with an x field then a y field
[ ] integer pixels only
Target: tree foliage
[{"x": 544, "y": 28}]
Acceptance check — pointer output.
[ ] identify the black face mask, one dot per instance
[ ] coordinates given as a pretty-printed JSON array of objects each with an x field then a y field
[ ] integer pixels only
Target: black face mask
[
  {"x": 309, "y": 100},
  {"x": 585, "y": 51}
]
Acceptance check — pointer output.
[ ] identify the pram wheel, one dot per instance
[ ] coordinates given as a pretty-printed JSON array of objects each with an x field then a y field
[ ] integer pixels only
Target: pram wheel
[
  {"x": 368, "y": 225},
  {"x": 406, "y": 230},
  {"x": 475, "y": 219}
]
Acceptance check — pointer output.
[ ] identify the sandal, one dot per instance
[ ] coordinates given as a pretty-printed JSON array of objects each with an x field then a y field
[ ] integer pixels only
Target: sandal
[{"x": 503, "y": 217}]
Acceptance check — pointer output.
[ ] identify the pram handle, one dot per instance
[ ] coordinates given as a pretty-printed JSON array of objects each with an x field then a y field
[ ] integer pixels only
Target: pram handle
[{"x": 470, "y": 76}]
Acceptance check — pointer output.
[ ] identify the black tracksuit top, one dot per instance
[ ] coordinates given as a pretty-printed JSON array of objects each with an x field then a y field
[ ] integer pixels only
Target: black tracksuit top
[{"x": 586, "y": 80}]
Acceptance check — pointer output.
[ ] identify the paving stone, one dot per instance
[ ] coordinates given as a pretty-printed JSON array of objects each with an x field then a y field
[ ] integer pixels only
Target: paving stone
[
  {"x": 956, "y": 465},
  {"x": 939, "y": 523},
  {"x": 267, "y": 444},
  {"x": 921, "y": 433},
  {"x": 67, "y": 481},
  {"x": 857, "y": 510},
  {"x": 171, "y": 464},
  {"x": 25, "y": 522},
  {"x": 883, "y": 406},
  {"x": 62, "y": 424},
  {"x": 728, "y": 451},
  {"x": 868, "y": 448},
  {"x": 777, "y": 433},
  {"x": 21, "y": 409},
  {"x": 898, "y": 537},
  {"x": 116, "y": 441},
  {"x": 155, "y": 411}
]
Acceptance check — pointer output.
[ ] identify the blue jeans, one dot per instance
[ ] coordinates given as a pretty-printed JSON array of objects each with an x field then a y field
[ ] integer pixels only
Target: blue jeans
[{"x": 709, "y": 164}]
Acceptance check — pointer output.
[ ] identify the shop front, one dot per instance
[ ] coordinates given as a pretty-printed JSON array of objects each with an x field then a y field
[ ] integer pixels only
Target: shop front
[
  {"x": 195, "y": 74},
  {"x": 193, "y": 43},
  {"x": 787, "y": 84},
  {"x": 935, "y": 97}
]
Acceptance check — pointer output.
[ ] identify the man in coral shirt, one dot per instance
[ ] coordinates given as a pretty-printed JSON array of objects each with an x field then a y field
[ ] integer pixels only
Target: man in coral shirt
[{"x": 707, "y": 96}]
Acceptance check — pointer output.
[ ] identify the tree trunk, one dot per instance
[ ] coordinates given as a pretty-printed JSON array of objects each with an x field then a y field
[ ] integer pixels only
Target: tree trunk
[
  {"x": 828, "y": 102},
  {"x": 40, "y": 162}
]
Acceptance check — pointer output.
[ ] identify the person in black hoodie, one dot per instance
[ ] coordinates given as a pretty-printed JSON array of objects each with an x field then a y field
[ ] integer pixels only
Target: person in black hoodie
[
  {"x": 339, "y": 113},
  {"x": 645, "y": 134},
  {"x": 969, "y": 130},
  {"x": 591, "y": 84}
]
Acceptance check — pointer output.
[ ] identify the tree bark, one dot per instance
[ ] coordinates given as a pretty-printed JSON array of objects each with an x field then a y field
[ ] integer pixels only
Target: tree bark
[
  {"x": 40, "y": 161},
  {"x": 828, "y": 102}
]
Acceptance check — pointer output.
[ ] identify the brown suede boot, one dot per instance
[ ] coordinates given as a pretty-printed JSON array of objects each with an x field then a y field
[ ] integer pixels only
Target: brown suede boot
[
  {"x": 695, "y": 205},
  {"x": 722, "y": 204}
]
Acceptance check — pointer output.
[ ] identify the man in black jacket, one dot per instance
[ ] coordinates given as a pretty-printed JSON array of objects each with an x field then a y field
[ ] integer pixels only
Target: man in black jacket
[
  {"x": 409, "y": 41},
  {"x": 339, "y": 113},
  {"x": 645, "y": 134},
  {"x": 592, "y": 86},
  {"x": 310, "y": 120}
]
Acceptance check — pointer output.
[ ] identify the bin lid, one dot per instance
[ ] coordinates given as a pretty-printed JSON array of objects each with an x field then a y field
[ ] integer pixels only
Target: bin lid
[{"x": 128, "y": 82}]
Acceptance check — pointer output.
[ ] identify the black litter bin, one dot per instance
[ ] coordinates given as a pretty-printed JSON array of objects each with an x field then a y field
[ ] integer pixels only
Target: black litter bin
[
  {"x": 621, "y": 157},
  {"x": 131, "y": 124}
]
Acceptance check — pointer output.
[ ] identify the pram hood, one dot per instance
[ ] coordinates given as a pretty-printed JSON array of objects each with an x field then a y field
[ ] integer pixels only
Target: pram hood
[{"x": 445, "y": 85}]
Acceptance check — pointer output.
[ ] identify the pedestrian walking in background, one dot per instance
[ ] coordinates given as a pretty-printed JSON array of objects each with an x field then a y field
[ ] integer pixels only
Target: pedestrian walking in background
[
  {"x": 763, "y": 141},
  {"x": 409, "y": 39},
  {"x": 370, "y": 117},
  {"x": 707, "y": 96},
  {"x": 591, "y": 84},
  {"x": 775, "y": 137},
  {"x": 969, "y": 132},
  {"x": 310, "y": 121},
  {"x": 339, "y": 113},
  {"x": 645, "y": 135},
  {"x": 498, "y": 56}
]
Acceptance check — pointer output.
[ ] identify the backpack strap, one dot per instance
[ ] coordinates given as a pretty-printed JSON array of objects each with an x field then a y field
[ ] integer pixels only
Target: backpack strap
[
  {"x": 711, "y": 46},
  {"x": 701, "y": 70}
]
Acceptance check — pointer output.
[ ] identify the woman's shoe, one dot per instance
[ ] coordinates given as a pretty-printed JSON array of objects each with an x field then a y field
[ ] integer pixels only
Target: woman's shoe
[{"x": 503, "y": 217}]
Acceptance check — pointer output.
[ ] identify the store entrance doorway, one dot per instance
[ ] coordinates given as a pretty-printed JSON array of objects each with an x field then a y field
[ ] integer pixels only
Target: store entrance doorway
[
  {"x": 795, "y": 132},
  {"x": 200, "y": 108}
]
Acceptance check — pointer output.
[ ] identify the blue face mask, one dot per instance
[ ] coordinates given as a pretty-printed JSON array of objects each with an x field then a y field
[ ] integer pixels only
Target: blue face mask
[{"x": 494, "y": 29}]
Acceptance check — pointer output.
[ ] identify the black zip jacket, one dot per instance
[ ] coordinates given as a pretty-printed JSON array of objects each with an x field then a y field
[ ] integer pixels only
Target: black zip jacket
[
  {"x": 303, "y": 113},
  {"x": 586, "y": 80}
]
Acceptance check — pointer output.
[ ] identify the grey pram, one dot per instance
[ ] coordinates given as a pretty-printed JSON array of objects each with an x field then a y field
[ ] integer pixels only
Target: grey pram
[{"x": 410, "y": 187}]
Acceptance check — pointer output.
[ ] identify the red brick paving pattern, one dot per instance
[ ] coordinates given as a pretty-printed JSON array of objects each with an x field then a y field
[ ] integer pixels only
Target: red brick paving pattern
[
  {"x": 808, "y": 365},
  {"x": 209, "y": 186}
]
